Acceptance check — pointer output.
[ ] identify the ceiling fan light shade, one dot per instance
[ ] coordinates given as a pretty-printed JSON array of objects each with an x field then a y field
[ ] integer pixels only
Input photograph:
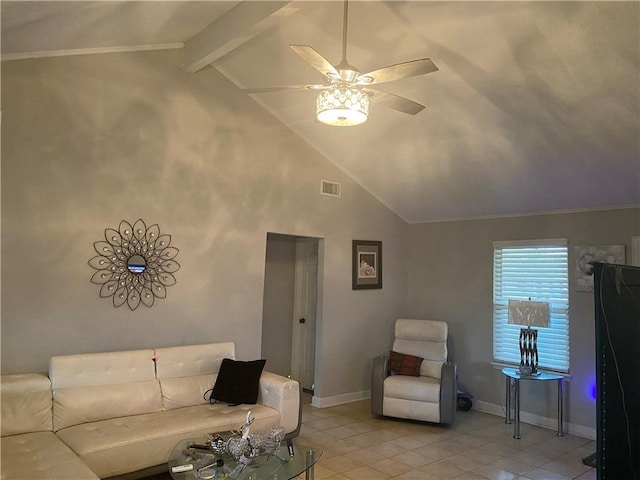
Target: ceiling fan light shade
[{"x": 342, "y": 106}]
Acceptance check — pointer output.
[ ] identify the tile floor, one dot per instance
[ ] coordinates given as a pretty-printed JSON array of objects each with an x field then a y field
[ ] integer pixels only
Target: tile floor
[{"x": 478, "y": 446}]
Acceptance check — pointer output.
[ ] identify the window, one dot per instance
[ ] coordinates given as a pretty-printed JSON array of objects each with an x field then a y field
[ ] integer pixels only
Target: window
[{"x": 536, "y": 270}]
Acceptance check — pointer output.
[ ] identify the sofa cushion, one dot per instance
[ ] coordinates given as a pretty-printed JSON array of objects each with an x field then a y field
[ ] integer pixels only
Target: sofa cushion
[
  {"x": 127, "y": 444},
  {"x": 26, "y": 403},
  {"x": 238, "y": 381},
  {"x": 109, "y": 368},
  {"x": 189, "y": 360},
  {"x": 72, "y": 406},
  {"x": 187, "y": 372},
  {"x": 186, "y": 391},
  {"x": 95, "y": 386},
  {"x": 40, "y": 456}
]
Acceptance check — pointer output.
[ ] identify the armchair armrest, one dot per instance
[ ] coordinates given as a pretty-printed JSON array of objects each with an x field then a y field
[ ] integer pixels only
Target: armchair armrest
[
  {"x": 378, "y": 374},
  {"x": 448, "y": 392}
]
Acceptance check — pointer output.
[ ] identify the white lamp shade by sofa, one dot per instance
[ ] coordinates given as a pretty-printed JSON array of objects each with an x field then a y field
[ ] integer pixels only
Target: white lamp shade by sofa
[{"x": 529, "y": 313}]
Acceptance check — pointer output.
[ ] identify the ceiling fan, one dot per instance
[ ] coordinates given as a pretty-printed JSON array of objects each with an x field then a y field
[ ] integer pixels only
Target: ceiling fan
[{"x": 344, "y": 100}]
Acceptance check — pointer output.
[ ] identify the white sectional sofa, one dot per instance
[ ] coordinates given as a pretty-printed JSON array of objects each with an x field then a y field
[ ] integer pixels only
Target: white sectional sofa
[
  {"x": 119, "y": 414},
  {"x": 30, "y": 449}
]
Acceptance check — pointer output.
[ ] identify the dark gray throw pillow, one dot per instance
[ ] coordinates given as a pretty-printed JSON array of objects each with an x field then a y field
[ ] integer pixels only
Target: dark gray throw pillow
[{"x": 237, "y": 382}]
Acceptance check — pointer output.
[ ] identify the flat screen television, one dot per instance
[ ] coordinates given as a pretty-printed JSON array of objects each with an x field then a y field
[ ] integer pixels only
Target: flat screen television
[{"x": 617, "y": 322}]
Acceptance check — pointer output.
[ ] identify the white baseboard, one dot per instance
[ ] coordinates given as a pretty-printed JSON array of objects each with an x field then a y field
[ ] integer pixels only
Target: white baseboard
[
  {"x": 491, "y": 408},
  {"x": 582, "y": 431},
  {"x": 323, "y": 402},
  {"x": 545, "y": 422}
]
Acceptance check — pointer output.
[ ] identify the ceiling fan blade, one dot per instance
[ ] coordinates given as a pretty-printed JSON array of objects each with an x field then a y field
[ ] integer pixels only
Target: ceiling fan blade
[
  {"x": 395, "y": 102},
  {"x": 317, "y": 61},
  {"x": 284, "y": 88},
  {"x": 398, "y": 71}
]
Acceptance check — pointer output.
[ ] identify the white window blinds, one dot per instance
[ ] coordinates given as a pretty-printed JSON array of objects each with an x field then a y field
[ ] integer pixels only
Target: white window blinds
[{"x": 536, "y": 270}]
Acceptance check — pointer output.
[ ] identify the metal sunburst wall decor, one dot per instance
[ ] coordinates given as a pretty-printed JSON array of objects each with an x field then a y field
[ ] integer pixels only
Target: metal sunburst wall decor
[{"x": 135, "y": 264}]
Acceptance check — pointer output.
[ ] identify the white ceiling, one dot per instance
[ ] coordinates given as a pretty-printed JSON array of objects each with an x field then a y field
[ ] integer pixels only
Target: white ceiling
[{"x": 534, "y": 109}]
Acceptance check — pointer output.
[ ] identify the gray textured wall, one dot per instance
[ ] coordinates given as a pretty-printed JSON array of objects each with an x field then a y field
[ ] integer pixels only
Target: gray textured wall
[
  {"x": 451, "y": 277},
  {"x": 90, "y": 140}
]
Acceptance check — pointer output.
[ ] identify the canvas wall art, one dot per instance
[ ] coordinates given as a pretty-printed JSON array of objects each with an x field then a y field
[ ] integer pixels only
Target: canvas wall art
[{"x": 585, "y": 255}]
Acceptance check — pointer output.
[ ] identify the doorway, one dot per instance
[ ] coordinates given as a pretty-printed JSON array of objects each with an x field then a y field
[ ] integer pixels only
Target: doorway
[{"x": 290, "y": 307}]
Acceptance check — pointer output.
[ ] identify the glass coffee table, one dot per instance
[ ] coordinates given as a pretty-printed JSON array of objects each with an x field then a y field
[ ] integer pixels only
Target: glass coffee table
[{"x": 289, "y": 461}]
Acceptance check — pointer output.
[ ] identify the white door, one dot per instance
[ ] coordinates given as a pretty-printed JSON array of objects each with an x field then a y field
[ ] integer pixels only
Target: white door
[{"x": 304, "y": 312}]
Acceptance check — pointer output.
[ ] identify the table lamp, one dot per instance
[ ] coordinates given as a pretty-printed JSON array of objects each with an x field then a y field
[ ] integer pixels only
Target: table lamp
[{"x": 529, "y": 313}]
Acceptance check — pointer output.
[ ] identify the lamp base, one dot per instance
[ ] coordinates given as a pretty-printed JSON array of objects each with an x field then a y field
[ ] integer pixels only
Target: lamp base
[
  {"x": 524, "y": 371},
  {"x": 528, "y": 351}
]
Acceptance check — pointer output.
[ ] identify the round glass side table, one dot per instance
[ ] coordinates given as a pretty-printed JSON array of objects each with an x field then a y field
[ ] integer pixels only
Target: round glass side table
[{"x": 513, "y": 377}]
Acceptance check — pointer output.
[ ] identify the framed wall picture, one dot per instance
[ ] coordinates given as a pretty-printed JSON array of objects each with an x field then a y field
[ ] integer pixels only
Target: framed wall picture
[
  {"x": 367, "y": 264},
  {"x": 598, "y": 253}
]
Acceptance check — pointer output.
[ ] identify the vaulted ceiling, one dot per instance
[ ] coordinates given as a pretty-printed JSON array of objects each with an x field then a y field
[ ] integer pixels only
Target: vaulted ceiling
[{"x": 535, "y": 107}]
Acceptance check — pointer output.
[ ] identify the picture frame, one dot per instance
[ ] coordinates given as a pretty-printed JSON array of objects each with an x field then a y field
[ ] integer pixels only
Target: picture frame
[
  {"x": 366, "y": 264},
  {"x": 586, "y": 254}
]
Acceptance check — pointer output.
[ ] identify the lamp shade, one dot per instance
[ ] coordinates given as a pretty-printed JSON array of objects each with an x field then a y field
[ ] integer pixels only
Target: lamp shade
[
  {"x": 342, "y": 105},
  {"x": 529, "y": 313}
]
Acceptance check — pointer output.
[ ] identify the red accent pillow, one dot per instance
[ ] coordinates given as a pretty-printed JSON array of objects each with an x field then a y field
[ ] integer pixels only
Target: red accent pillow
[{"x": 404, "y": 364}]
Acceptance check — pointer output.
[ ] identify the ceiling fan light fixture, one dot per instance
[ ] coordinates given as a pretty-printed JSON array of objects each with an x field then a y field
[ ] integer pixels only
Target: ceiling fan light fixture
[{"x": 342, "y": 106}]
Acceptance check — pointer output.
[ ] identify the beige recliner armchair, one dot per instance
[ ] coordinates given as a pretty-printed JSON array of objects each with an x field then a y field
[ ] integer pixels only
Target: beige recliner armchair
[{"x": 415, "y": 381}]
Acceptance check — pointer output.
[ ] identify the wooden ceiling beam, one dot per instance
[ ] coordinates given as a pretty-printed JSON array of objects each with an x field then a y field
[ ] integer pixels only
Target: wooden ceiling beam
[{"x": 238, "y": 25}]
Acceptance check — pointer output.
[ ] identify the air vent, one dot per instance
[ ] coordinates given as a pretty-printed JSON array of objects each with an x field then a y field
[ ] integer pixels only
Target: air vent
[{"x": 331, "y": 189}]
